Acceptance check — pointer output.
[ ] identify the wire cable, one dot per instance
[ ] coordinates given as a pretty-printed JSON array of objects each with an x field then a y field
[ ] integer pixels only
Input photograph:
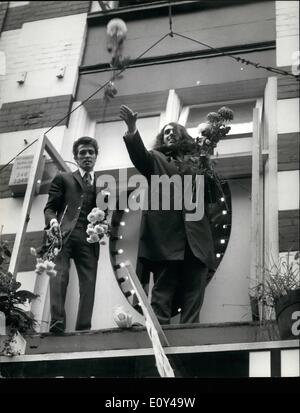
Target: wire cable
[
  {"x": 170, "y": 19},
  {"x": 88, "y": 98},
  {"x": 170, "y": 33},
  {"x": 240, "y": 59}
]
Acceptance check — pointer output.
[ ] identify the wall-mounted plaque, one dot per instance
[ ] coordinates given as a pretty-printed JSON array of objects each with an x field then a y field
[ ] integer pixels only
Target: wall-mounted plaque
[{"x": 20, "y": 174}]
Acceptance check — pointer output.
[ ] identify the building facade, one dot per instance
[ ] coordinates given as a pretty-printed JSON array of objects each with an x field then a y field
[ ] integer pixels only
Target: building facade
[{"x": 54, "y": 58}]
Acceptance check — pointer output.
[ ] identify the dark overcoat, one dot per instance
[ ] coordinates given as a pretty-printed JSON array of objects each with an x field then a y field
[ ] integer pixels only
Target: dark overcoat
[{"x": 164, "y": 233}]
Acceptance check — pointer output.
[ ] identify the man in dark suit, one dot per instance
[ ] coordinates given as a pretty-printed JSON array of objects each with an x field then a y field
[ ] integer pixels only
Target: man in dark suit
[
  {"x": 71, "y": 198},
  {"x": 179, "y": 252}
]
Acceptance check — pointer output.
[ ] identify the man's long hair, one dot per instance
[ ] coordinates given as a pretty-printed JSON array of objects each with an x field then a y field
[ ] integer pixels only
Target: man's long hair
[{"x": 184, "y": 145}]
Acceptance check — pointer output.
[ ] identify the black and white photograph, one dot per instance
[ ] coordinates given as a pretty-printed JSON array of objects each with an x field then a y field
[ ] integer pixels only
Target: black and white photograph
[{"x": 149, "y": 196}]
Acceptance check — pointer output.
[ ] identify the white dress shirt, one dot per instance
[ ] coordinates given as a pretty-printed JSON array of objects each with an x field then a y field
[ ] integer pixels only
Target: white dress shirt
[{"x": 82, "y": 173}]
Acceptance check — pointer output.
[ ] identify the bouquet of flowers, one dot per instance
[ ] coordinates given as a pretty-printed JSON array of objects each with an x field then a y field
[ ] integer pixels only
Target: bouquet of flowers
[
  {"x": 213, "y": 130},
  {"x": 98, "y": 226},
  {"x": 197, "y": 157},
  {"x": 45, "y": 256}
]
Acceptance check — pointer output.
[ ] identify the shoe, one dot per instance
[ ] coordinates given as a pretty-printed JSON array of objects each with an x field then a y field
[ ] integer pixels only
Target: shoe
[{"x": 57, "y": 327}]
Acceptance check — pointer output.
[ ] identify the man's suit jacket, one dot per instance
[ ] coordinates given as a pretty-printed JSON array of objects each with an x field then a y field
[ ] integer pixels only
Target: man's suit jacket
[
  {"x": 65, "y": 202},
  {"x": 164, "y": 233}
]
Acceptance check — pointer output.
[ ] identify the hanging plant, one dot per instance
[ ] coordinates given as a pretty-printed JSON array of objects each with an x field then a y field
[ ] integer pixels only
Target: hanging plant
[
  {"x": 116, "y": 35},
  {"x": 110, "y": 91}
]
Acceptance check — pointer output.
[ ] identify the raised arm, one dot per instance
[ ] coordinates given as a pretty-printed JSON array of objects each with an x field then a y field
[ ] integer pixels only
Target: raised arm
[{"x": 140, "y": 157}]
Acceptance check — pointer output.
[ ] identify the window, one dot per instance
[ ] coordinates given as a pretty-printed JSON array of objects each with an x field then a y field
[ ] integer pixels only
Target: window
[{"x": 239, "y": 139}]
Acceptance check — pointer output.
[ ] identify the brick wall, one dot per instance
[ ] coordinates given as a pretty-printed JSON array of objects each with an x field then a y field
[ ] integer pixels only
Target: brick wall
[
  {"x": 288, "y": 151},
  {"x": 287, "y": 15},
  {"x": 40, "y": 49},
  {"x": 34, "y": 114},
  {"x": 287, "y": 31},
  {"x": 287, "y": 41},
  {"x": 5, "y": 192},
  {"x": 289, "y": 230},
  {"x": 287, "y": 87},
  {"x": 41, "y": 10},
  {"x": 3, "y": 12}
]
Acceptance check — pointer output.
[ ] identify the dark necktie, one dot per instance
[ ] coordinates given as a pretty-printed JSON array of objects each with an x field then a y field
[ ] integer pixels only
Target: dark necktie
[{"x": 87, "y": 179}]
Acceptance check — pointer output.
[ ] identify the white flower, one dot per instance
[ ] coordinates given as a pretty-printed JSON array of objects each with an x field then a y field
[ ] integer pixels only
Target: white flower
[
  {"x": 33, "y": 251},
  {"x": 201, "y": 127},
  {"x": 51, "y": 273},
  {"x": 122, "y": 318},
  {"x": 118, "y": 28},
  {"x": 93, "y": 238},
  {"x": 100, "y": 215},
  {"x": 40, "y": 267},
  {"x": 90, "y": 231},
  {"x": 92, "y": 217},
  {"x": 49, "y": 265},
  {"x": 99, "y": 229},
  {"x": 105, "y": 228}
]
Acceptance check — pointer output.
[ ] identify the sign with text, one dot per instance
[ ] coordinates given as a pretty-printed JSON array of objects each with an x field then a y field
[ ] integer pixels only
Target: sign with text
[{"x": 20, "y": 174}]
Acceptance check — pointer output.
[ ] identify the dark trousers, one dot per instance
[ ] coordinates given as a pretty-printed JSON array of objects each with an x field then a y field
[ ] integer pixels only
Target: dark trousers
[
  {"x": 86, "y": 261},
  {"x": 186, "y": 278}
]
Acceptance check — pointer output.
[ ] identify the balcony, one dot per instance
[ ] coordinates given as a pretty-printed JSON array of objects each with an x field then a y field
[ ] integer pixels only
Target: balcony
[{"x": 228, "y": 350}]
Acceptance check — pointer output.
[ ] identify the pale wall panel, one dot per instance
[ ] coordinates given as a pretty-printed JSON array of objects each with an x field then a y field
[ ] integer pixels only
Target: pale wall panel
[
  {"x": 290, "y": 363},
  {"x": 288, "y": 115},
  {"x": 10, "y": 212},
  {"x": 287, "y": 31},
  {"x": 288, "y": 190},
  {"x": 12, "y": 143},
  {"x": 113, "y": 153},
  {"x": 227, "y": 295},
  {"x": 40, "y": 49}
]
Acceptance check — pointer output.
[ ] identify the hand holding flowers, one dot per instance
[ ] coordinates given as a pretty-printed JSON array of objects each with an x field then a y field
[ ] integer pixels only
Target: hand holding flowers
[
  {"x": 213, "y": 130},
  {"x": 46, "y": 255}
]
